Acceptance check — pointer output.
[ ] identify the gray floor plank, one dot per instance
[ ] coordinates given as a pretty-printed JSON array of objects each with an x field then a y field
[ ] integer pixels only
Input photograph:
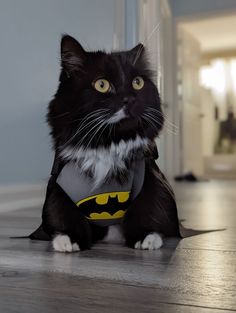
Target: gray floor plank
[
  {"x": 38, "y": 302},
  {"x": 190, "y": 277},
  {"x": 50, "y": 291}
]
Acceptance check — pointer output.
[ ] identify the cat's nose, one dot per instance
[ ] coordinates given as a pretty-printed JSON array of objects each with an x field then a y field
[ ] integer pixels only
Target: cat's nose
[
  {"x": 128, "y": 100},
  {"x": 130, "y": 105}
]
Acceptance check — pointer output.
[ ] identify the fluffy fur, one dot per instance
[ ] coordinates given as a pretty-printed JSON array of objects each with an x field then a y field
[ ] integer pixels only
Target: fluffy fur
[
  {"x": 102, "y": 133},
  {"x": 102, "y": 162}
]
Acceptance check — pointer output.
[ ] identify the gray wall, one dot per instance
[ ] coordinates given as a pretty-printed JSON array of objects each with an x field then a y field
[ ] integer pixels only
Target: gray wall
[
  {"x": 131, "y": 23},
  {"x": 30, "y": 32},
  {"x": 191, "y": 7}
]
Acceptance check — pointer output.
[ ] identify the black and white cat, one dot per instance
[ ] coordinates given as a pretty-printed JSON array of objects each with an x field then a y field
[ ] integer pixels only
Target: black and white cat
[{"x": 104, "y": 119}]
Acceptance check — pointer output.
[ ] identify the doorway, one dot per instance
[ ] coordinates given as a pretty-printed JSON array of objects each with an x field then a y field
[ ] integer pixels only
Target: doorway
[{"x": 206, "y": 93}]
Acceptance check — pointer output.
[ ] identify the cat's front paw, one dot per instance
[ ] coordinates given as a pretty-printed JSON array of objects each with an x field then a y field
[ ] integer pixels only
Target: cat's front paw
[
  {"x": 62, "y": 243},
  {"x": 152, "y": 241}
]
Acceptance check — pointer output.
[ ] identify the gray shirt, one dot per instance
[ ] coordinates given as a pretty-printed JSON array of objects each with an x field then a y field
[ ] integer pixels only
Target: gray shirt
[{"x": 106, "y": 203}]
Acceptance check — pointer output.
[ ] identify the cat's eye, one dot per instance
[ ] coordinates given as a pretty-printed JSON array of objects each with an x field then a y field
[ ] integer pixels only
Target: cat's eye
[
  {"x": 102, "y": 85},
  {"x": 138, "y": 83}
]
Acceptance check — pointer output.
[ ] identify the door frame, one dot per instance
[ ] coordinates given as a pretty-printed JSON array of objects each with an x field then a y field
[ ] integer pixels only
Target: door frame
[{"x": 162, "y": 46}]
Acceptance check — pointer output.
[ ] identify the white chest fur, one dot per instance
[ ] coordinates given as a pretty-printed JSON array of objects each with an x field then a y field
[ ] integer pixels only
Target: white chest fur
[{"x": 104, "y": 161}]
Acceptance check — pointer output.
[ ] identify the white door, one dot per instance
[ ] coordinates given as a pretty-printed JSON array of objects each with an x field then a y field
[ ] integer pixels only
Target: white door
[{"x": 189, "y": 101}]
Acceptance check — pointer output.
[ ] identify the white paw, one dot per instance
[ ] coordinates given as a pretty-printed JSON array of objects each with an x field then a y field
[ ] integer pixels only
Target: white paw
[
  {"x": 75, "y": 247},
  {"x": 62, "y": 243},
  {"x": 152, "y": 241}
]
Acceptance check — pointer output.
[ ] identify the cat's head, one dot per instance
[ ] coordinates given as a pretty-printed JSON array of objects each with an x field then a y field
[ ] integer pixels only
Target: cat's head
[{"x": 103, "y": 98}]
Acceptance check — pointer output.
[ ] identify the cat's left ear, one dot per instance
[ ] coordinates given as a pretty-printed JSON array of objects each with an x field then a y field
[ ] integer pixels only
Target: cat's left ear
[
  {"x": 136, "y": 53},
  {"x": 72, "y": 54}
]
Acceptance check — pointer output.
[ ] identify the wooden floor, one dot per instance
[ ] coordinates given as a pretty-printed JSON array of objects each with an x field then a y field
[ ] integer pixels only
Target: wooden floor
[{"x": 196, "y": 274}]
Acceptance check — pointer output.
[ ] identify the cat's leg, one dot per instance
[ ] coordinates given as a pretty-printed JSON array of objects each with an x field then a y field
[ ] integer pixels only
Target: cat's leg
[
  {"x": 62, "y": 220},
  {"x": 152, "y": 214}
]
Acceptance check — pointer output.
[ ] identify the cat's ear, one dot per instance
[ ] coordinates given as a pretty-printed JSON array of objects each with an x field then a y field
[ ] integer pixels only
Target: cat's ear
[
  {"x": 72, "y": 54},
  {"x": 136, "y": 53}
]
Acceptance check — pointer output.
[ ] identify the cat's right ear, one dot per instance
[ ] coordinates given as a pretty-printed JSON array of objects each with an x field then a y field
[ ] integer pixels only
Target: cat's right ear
[
  {"x": 72, "y": 54},
  {"x": 136, "y": 53}
]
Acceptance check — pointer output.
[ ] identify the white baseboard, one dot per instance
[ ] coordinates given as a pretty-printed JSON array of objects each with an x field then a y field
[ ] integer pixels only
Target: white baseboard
[
  {"x": 15, "y": 188},
  {"x": 21, "y": 196},
  {"x": 20, "y": 205}
]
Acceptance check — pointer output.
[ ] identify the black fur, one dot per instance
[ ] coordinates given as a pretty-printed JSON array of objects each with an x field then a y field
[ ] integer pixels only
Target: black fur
[{"x": 154, "y": 209}]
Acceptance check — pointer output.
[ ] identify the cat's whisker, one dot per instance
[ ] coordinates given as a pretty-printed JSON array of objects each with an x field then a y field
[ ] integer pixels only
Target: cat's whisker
[
  {"x": 96, "y": 132},
  {"x": 92, "y": 130},
  {"x": 164, "y": 115},
  {"x": 169, "y": 123},
  {"x": 150, "y": 123},
  {"x": 97, "y": 141},
  {"x": 157, "y": 119},
  {"x": 91, "y": 115},
  {"x": 97, "y": 112},
  {"x": 145, "y": 42},
  {"x": 83, "y": 125},
  {"x": 89, "y": 133},
  {"x": 60, "y": 115},
  {"x": 102, "y": 131},
  {"x": 79, "y": 131},
  {"x": 158, "y": 112},
  {"x": 87, "y": 117},
  {"x": 169, "y": 128}
]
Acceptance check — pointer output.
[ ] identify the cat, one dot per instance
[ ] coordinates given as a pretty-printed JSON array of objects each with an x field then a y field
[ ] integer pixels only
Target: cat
[{"x": 104, "y": 119}]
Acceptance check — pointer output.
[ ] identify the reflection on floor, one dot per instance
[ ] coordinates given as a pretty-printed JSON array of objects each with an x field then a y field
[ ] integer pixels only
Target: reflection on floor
[{"x": 194, "y": 275}]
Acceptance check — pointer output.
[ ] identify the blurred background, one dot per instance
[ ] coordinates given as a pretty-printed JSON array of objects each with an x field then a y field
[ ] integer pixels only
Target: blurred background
[{"x": 192, "y": 47}]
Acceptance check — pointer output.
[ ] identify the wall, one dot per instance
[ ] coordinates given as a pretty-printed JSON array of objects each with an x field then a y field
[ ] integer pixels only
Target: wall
[
  {"x": 191, "y": 7},
  {"x": 30, "y": 33},
  {"x": 131, "y": 23}
]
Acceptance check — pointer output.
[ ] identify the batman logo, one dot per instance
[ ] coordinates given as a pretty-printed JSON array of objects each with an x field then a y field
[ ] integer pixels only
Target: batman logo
[{"x": 105, "y": 207}]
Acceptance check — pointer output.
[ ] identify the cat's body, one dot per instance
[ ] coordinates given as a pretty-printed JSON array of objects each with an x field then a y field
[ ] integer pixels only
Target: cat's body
[{"x": 104, "y": 119}]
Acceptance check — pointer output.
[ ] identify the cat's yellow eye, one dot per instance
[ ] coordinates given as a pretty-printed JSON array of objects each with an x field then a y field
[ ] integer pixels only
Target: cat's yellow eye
[
  {"x": 138, "y": 83},
  {"x": 102, "y": 85}
]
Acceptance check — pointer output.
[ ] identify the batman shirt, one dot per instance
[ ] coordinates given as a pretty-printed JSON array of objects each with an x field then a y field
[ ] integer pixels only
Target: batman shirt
[{"x": 106, "y": 204}]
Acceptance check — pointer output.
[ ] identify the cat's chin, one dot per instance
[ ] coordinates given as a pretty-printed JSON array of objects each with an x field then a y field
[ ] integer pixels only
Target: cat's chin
[
  {"x": 128, "y": 126},
  {"x": 130, "y": 131}
]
